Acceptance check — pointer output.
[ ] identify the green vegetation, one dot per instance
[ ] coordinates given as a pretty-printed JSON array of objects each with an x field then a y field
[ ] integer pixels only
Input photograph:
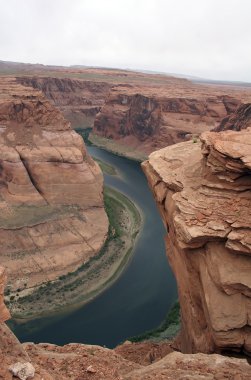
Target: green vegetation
[
  {"x": 105, "y": 167},
  {"x": 84, "y": 133},
  {"x": 117, "y": 148},
  {"x": 91, "y": 278},
  {"x": 167, "y": 329}
]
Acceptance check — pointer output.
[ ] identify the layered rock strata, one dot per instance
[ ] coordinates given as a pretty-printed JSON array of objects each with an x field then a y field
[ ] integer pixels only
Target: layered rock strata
[
  {"x": 52, "y": 217},
  {"x": 240, "y": 119},
  {"x": 78, "y": 100},
  {"x": 148, "y": 118},
  {"x": 203, "y": 193}
]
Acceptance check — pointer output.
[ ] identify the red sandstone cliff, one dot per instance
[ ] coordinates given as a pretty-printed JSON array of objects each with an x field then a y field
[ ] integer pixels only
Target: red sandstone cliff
[
  {"x": 203, "y": 193},
  {"x": 240, "y": 119},
  {"x": 136, "y": 112},
  {"x": 152, "y": 117},
  {"x": 52, "y": 218},
  {"x": 78, "y": 100}
]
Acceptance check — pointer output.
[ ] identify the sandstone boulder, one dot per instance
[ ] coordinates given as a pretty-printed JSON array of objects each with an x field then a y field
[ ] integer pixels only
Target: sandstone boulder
[{"x": 23, "y": 371}]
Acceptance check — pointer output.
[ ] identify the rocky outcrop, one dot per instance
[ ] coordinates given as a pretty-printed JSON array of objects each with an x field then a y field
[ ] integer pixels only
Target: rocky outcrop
[
  {"x": 203, "y": 193},
  {"x": 52, "y": 218},
  {"x": 78, "y": 100},
  {"x": 177, "y": 366},
  {"x": 75, "y": 361},
  {"x": 240, "y": 119}
]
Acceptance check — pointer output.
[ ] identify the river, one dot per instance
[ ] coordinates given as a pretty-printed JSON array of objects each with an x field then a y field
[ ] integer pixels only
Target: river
[{"x": 139, "y": 299}]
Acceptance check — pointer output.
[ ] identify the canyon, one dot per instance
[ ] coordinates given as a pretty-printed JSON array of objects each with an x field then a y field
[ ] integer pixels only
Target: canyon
[
  {"x": 126, "y": 362},
  {"x": 203, "y": 193},
  {"x": 146, "y": 118},
  {"x": 132, "y": 113},
  {"x": 78, "y": 100},
  {"x": 53, "y": 220},
  {"x": 51, "y": 192}
]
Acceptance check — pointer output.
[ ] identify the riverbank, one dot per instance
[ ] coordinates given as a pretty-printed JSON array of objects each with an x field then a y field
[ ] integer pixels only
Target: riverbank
[
  {"x": 116, "y": 148},
  {"x": 105, "y": 167},
  {"x": 112, "y": 146},
  {"x": 91, "y": 279},
  {"x": 167, "y": 330}
]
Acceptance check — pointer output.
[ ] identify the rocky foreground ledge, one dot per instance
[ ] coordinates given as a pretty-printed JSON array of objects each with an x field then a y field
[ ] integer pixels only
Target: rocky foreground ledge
[
  {"x": 137, "y": 361},
  {"x": 203, "y": 191}
]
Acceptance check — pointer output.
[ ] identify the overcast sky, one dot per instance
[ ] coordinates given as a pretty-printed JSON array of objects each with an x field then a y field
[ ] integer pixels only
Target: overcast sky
[{"x": 205, "y": 38}]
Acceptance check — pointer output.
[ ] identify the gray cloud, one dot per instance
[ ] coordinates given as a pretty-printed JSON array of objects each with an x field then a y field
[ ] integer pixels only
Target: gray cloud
[{"x": 207, "y": 38}]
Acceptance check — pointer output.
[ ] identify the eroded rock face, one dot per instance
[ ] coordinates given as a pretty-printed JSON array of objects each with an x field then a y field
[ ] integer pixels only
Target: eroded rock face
[
  {"x": 151, "y": 117},
  {"x": 240, "y": 119},
  {"x": 78, "y": 100},
  {"x": 4, "y": 313},
  {"x": 52, "y": 218},
  {"x": 203, "y": 193}
]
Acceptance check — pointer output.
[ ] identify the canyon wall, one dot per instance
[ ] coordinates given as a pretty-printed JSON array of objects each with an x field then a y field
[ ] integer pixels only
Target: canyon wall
[
  {"x": 149, "y": 118},
  {"x": 136, "y": 113},
  {"x": 78, "y": 100},
  {"x": 52, "y": 217},
  {"x": 240, "y": 119},
  {"x": 203, "y": 193}
]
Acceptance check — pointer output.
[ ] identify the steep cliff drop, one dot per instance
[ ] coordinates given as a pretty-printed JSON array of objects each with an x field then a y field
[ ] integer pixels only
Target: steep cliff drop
[
  {"x": 52, "y": 217},
  {"x": 142, "y": 119},
  {"x": 78, "y": 100},
  {"x": 240, "y": 119},
  {"x": 203, "y": 193}
]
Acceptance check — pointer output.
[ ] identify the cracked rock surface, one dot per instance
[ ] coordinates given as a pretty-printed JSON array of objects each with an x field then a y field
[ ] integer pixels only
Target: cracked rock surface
[{"x": 203, "y": 191}]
